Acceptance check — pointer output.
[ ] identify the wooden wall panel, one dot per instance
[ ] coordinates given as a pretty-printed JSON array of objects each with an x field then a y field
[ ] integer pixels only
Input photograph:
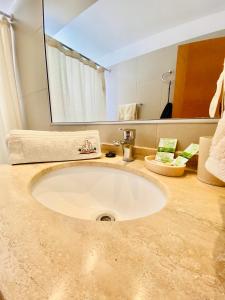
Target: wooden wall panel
[{"x": 199, "y": 65}]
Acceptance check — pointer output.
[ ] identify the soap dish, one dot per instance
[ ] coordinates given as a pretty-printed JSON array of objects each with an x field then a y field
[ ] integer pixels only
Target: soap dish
[{"x": 163, "y": 169}]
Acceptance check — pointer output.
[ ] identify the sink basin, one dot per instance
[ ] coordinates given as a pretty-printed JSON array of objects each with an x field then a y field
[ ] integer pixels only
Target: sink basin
[{"x": 98, "y": 193}]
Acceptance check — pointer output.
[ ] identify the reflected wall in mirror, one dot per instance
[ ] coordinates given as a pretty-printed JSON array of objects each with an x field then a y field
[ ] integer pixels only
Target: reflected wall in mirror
[{"x": 113, "y": 60}]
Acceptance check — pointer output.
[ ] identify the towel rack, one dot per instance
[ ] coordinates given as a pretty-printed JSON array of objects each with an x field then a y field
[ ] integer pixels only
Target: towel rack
[{"x": 166, "y": 77}]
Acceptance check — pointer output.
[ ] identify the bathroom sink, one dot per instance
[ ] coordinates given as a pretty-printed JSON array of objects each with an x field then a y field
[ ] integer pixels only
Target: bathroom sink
[{"x": 98, "y": 193}]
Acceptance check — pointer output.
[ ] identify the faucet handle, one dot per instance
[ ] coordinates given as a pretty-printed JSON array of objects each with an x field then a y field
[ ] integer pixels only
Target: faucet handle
[{"x": 128, "y": 133}]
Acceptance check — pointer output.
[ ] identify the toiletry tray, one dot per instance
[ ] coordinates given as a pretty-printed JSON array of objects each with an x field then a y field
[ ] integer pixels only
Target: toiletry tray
[{"x": 163, "y": 169}]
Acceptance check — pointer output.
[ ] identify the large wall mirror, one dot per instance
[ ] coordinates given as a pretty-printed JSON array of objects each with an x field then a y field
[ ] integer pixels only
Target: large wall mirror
[{"x": 122, "y": 60}]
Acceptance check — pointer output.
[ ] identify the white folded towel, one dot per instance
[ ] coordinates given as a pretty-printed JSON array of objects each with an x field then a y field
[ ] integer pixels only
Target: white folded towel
[
  {"x": 27, "y": 146},
  {"x": 215, "y": 164},
  {"x": 128, "y": 112}
]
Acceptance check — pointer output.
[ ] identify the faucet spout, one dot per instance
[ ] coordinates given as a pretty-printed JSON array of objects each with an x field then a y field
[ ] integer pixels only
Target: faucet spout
[{"x": 127, "y": 143}]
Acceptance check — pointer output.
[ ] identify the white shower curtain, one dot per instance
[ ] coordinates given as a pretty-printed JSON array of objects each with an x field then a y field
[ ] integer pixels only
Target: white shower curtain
[
  {"x": 77, "y": 90},
  {"x": 11, "y": 110}
]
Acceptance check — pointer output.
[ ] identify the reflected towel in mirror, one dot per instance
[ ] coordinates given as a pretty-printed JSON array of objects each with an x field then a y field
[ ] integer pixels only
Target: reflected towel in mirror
[{"x": 128, "y": 112}]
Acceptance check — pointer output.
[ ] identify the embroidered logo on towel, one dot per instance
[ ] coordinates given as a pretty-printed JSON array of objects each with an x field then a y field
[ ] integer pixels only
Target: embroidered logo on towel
[{"x": 87, "y": 148}]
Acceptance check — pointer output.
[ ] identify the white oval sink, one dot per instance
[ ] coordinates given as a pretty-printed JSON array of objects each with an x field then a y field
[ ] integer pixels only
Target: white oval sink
[{"x": 89, "y": 192}]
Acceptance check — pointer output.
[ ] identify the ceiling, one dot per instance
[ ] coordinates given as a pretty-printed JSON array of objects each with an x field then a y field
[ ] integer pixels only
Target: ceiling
[
  {"x": 5, "y": 5},
  {"x": 98, "y": 28},
  {"x": 58, "y": 13}
]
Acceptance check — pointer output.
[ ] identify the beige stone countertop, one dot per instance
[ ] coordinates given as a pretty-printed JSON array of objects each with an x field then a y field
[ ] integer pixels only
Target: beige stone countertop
[{"x": 177, "y": 253}]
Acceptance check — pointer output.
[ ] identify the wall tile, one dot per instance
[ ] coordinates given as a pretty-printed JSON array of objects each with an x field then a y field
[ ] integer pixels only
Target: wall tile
[
  {"x": 185, "y": 133},
  {"x": 145, "y": 134}
]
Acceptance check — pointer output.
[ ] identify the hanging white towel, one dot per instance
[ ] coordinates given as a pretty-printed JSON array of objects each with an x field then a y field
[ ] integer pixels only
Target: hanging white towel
[
  {"x": 128, "y": 112},
  {"x": 27, "y": 146},
  {"x": 215, "y": 164},
  {"x": 215, "y": 103}
]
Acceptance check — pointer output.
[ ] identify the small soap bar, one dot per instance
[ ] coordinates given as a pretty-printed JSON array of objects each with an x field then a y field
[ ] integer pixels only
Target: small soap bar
[
  {"x": 179, "y": 161},
  {"x": 167, "y": 145},
  {"x": 188, "y": 153},
  {"x": 166, "y": 149},
  {"x": 164, "y": 157}
]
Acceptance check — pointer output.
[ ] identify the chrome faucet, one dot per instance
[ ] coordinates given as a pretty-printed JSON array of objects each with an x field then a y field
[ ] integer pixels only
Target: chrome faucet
[{"x": 127, "y": 143}]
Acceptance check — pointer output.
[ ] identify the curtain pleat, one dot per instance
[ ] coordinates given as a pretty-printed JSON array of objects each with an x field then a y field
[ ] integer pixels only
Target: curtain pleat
[
  {"x": 11, "y": 109},
  {"x": 76, "y": 89}
]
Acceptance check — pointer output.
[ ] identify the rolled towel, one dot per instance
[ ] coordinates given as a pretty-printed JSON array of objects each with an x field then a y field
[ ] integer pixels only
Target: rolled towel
[
  {"x": 27, "y": 146},
  {"x": 215, "y": 164}
]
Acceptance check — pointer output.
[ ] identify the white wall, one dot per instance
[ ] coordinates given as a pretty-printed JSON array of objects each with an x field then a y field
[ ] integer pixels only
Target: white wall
[
  {"x": 30, "y": 52},
  {"x": 139, "y": 80}
]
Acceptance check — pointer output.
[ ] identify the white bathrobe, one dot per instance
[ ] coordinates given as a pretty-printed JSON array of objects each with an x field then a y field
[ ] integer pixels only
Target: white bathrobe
[{"x": 216, "y": 161}]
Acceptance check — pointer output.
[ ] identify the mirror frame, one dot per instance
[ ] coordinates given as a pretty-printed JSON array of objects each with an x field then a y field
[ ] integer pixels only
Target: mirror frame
[{"x": 151, "y": 121}]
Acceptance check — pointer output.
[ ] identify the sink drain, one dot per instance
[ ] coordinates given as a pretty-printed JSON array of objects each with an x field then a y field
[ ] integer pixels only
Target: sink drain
[{"x": 106, "y": 217}]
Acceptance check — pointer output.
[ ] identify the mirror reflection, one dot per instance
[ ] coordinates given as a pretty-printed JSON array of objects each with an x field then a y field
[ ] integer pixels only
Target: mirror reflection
[{"x": 111, "y": 60}]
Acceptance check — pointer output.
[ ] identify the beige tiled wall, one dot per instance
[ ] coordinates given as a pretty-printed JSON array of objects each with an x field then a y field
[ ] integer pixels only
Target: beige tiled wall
[
  {"x": 31, "y": 60},
  {"x": 148, "y": 134}
]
